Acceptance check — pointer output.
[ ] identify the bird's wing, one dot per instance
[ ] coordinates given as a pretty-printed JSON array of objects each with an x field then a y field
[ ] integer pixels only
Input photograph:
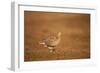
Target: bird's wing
[{"x": 51, "y": 39}]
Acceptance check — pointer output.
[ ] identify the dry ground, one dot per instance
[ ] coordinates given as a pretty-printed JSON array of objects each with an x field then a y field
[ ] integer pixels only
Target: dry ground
[{"x": 75, "y": 38}]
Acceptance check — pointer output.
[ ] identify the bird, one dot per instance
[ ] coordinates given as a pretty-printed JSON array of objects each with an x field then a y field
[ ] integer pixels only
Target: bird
[{"x": 52, "y": 41}]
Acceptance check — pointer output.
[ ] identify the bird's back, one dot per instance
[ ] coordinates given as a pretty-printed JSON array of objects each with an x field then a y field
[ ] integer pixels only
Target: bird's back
[{"x": 52, "y": 40}]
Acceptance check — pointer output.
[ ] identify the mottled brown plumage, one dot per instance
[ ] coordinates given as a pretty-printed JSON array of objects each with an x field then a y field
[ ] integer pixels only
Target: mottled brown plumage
[{"x": 52, "y": 41}]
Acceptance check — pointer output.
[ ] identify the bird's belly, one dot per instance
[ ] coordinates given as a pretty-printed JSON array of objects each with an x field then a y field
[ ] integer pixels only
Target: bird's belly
[{"x": 54, "y": 43}]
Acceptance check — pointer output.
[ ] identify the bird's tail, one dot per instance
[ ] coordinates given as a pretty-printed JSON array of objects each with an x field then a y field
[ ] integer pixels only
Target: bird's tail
[{"x": 41, "y": 43}]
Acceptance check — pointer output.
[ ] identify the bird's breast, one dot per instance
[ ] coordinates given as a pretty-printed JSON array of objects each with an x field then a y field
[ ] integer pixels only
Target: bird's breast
[{"x": 53, "y": 43}]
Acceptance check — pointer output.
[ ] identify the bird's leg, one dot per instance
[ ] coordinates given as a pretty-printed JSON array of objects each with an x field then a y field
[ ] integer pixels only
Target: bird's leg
[
  {"x": 51, "y": 49},
  {"x": 54, "y": 50}
]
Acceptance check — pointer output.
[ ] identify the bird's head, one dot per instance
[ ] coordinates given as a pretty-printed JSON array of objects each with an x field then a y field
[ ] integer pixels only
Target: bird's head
[{"x": 59, "y": 34}]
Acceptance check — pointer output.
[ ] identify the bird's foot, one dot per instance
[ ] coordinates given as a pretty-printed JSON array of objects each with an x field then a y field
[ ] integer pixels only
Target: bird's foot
[{"x": 52, "y": 50}]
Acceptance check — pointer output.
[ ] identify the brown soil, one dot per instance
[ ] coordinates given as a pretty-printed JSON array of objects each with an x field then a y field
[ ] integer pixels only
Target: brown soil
[{"x": 75, "y": 38}]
